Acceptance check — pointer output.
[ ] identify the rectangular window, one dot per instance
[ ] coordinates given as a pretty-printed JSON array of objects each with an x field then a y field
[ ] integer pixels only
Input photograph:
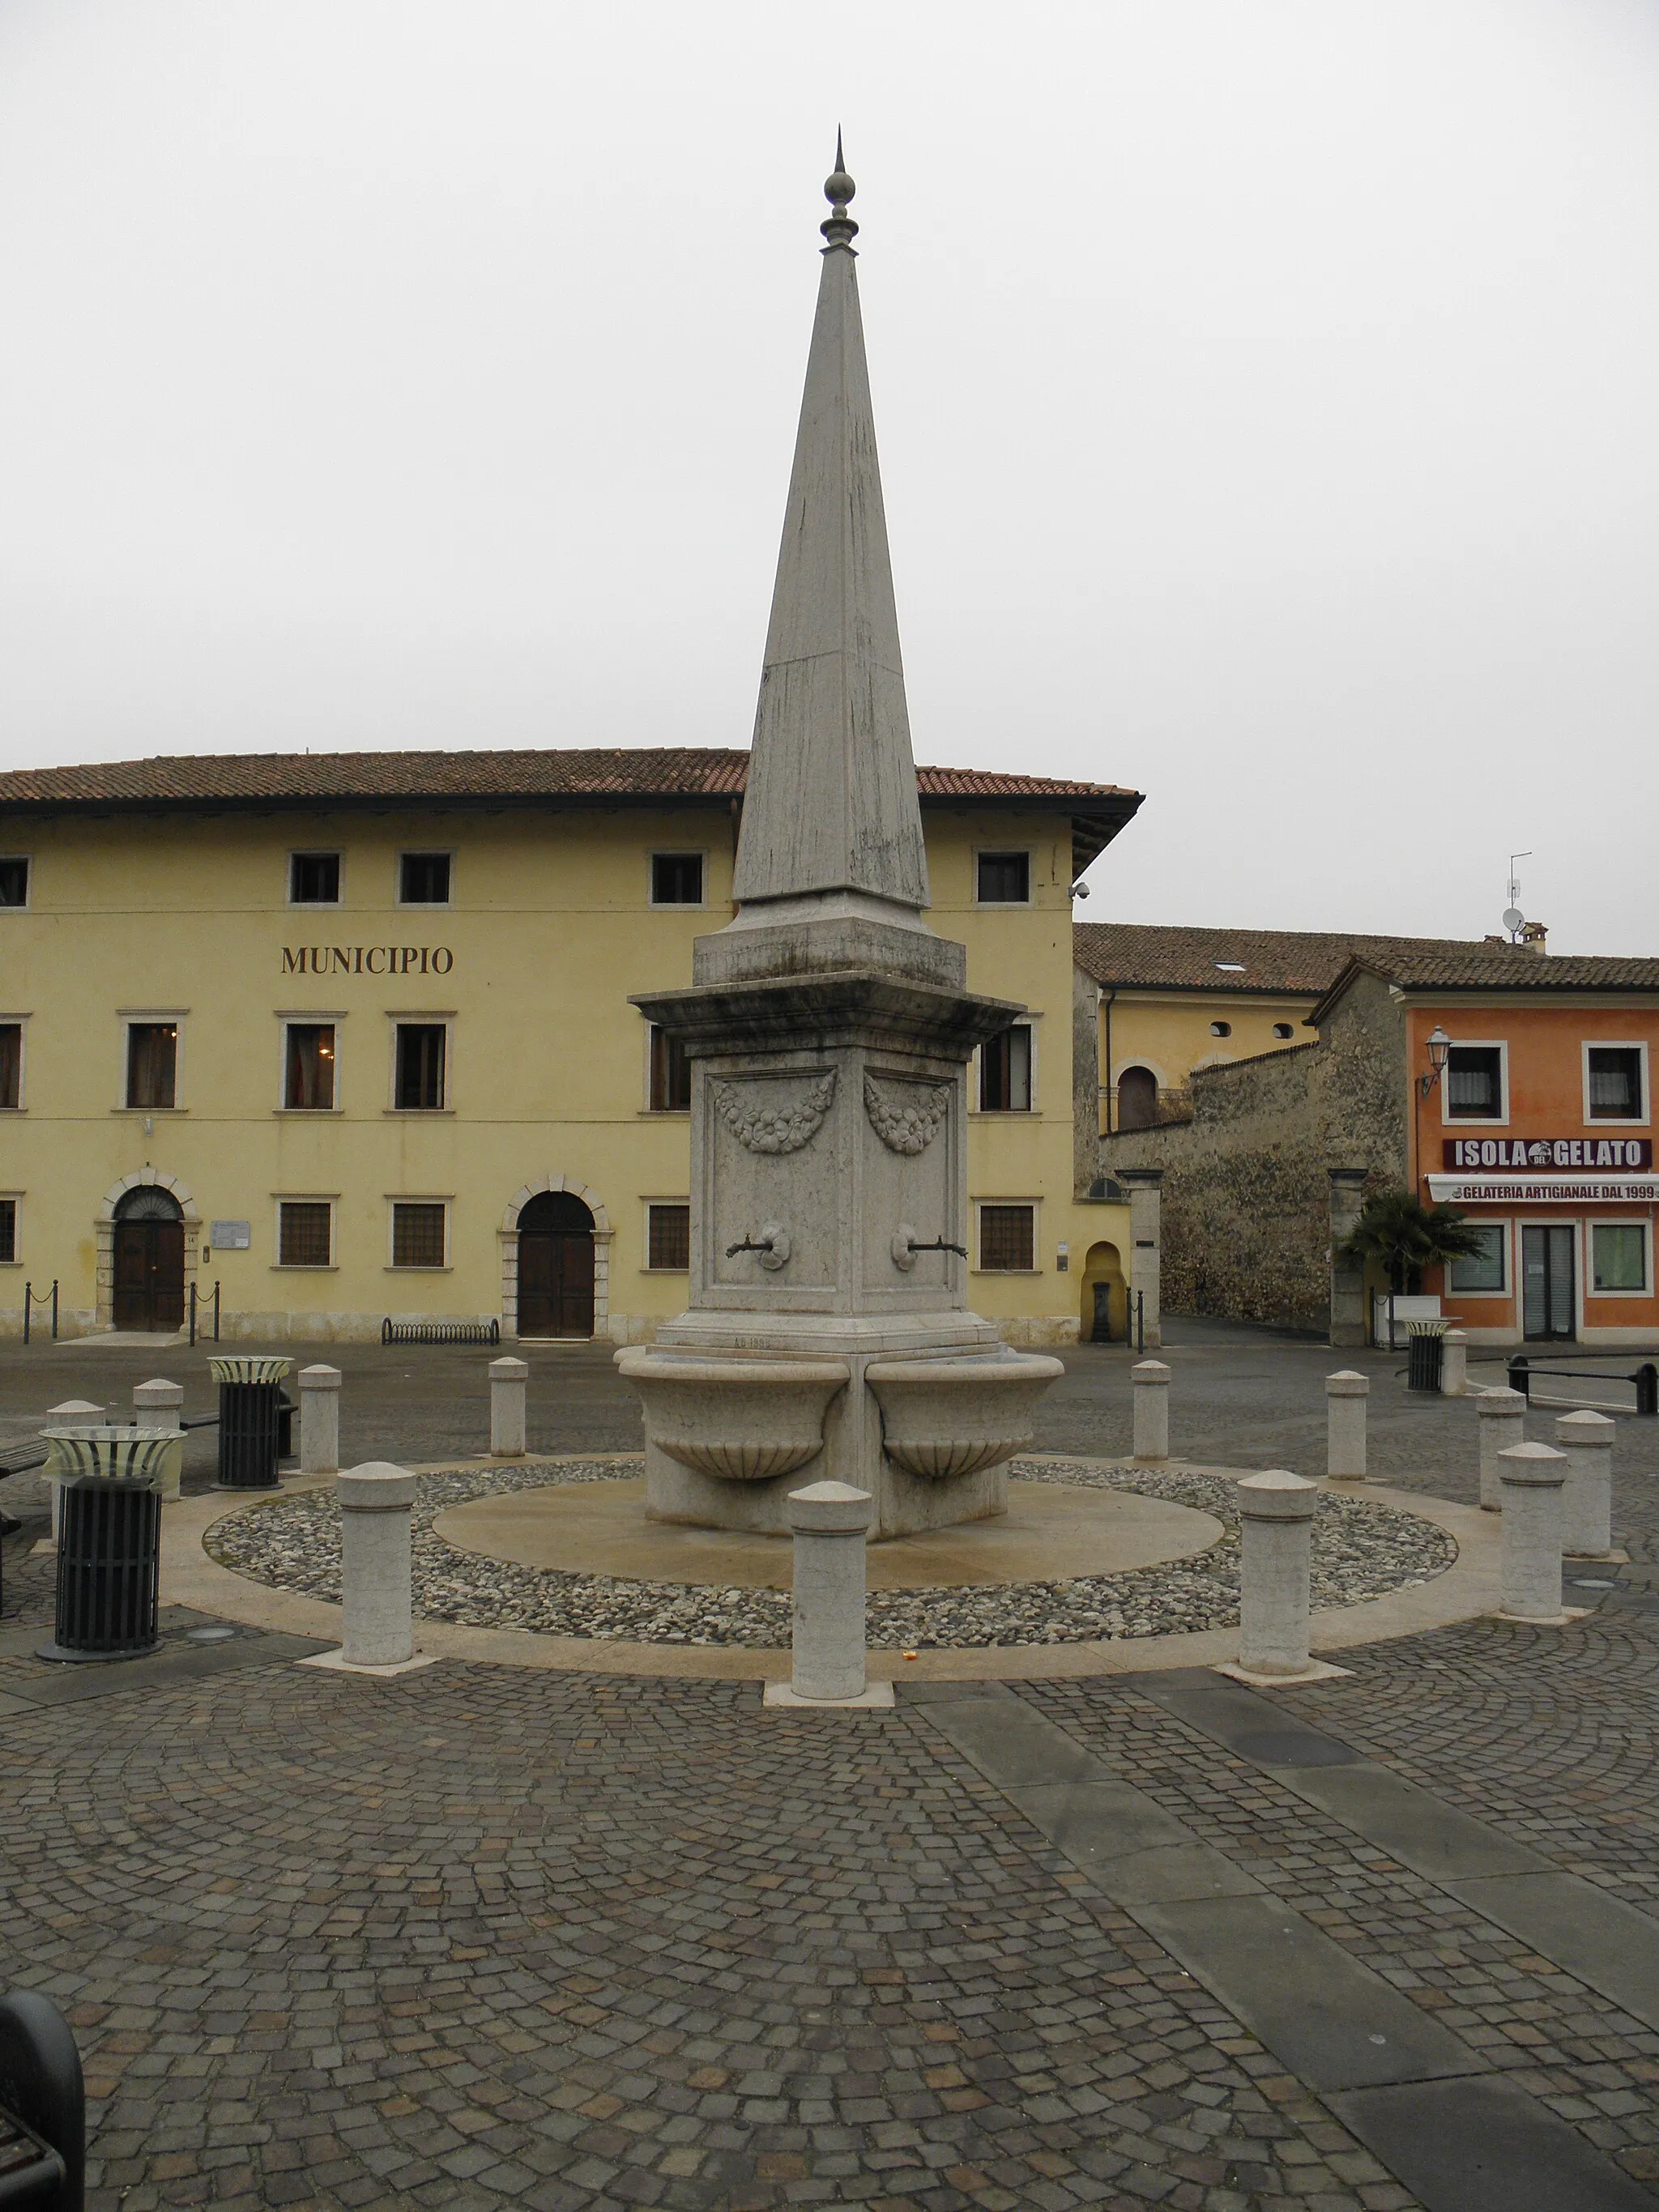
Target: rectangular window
[
  {"x": 8, "y": 1231},
  {"x": 1619, "y": 1256},
  {"x": 1005, "y": 880},
  {"x": 671, "y": 1074},
  {"x": 152, "y": 1063},
  {"x": 304, "y": 1233},
  {"x": 1485, "y": 1270},
  {"x": 423, "y": 878},
  {"x": 14, "y": 881},
  {"x": 1474, "y": 1082},
  {"x": 676, "y": 879},
  {"x": 1615, "y": 1083},
  {"x": 309, "y": 1077},
  {"x": 11, "y": 1066},
  {"x": 668, "y": 1243},
  {"x": 1004, "y": 1072},
  {"x": 1007, "y": 1238},
  {"x": 313, "y": 878},
  {"x": 417, "y": 1234},
  {"x": 420, "y": 1081}
]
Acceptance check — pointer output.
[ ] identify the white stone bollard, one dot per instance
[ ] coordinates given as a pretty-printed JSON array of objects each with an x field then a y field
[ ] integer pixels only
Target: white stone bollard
[
  {"x": 509, "y": 1381},
  {"x": 1345, "y": 1393},
  {"x": 1151, "y": 1378},
  {"x": 1503, "y": 1425},
  {"x": 1587, "y": 1502},
  {"x": 376, "y": 1585},
  {"x": 73, "y": 1413},
  {"x": 1274, "y": 1543},
  {"x": 829, "y": 1523},
  {"x": 319, "y": 1420},
  {"x": 1455, "y": 1364},
  {"x": 157, "y": 1404},
  {"x": 1533, "y": 1478}
]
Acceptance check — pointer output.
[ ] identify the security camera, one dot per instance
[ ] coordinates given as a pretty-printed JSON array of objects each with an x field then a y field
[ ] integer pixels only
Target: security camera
[{"x": 1080, "y": 890}]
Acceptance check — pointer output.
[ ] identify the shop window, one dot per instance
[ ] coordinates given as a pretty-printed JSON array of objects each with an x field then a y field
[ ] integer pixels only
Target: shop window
[
  {"x": 423, "y": 878},
  {"x": 8, "y": 1232},
  {"x": 1485, "y": 1270},
  {"x": 308, "y": 1079},
  {"x": 153, "y": 1063},
  {"x": 1004, "y": 1072},
  {"x": 1005, "y": 880},
  {"x": 14, "y": 881},
  {"x": 1221, "y": 1029},
  {"x": 420, "y": 1079},
  {"x": 1007, "y": 1238},
  {"x": 1615, "y": 1083},
  {"x": 11, "y": 1066},
  {"x": 1474, "y": 1082},
  {"x": 671, "y": 1073},
  {"x": 313, "y": 878},
  {"x": 676, "y": 879},
  {"x": 668, "y": 1237},
  {"x": 1282, "y": 1030},
  {"x": 418, "y": 1230},
  {"x": 1619, "y": 1256},
  {"x": 304, "y": 1233}
]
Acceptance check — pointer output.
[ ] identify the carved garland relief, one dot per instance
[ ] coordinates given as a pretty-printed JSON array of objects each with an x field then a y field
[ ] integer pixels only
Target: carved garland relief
[
  {"x": 906, "y": 1125},
  {"x": 761, "y": 1128}
]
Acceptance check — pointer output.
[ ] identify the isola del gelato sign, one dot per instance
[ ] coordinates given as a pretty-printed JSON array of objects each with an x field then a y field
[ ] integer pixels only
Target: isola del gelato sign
[{"x": 1566, "y": 1154}]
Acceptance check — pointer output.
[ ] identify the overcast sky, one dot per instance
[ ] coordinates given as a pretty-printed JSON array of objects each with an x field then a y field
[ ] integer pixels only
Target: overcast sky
[{"x": 1266, "y": 396}]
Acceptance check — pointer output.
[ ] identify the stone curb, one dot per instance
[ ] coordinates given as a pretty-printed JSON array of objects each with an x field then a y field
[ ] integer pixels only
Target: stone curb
[{"x": 1466, "y": 1591}]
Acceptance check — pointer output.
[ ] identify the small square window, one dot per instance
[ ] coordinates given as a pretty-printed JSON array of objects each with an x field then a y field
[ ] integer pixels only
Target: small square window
[
  {"x": 8, "y": 1231},
  {"x": 676, "y": 879},
  {"x": 1004, "y": 1072},
  {"x": 304, "y": 1233},
  {"x": 1482, "y": 1270},
  {"x": 1615, "y": 1083},
  {"x": 11, "y": 1066},
  {"x": 152, "y": 1064},
  {"x": 1619, "y": 1256},
  {"x": 1007, "y": 1238},
  {"x": 417, "y": 1234},
  {"x": 313, "y": 878},
  {"x": 668, "y": 1241},
  {"x": 1005, "y": 878},
  {"x": 14, "y": 881},
  {"x": 420, "y": 1078},
  {"x": 671, "y": 1073},
  {"x": 1474, "y": 1082},
  {"x": 423, "y": 878},
  {"x": 309, "y": 1072}
]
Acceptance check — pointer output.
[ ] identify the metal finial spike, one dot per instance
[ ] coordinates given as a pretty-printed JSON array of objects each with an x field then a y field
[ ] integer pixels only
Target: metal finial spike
[{"x": 839, "y": 163}]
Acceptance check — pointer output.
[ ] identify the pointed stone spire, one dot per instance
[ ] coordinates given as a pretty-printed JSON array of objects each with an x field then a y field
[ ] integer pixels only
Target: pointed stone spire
[{"x": 831, "y": 815}]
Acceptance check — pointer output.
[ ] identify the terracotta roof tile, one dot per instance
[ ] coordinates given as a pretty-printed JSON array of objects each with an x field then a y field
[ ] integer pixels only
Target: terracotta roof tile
[{"x": 1300, "y": 962}]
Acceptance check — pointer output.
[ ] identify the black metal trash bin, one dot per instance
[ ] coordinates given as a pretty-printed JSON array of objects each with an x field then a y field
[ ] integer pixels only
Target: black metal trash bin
[
  {"x": 109, "y": 1570},
  {"x": 285, "y": 1412},
  {"x": 250, "y": 1421},
  {"x": 43, "y": 2107},
  {"x": 1424, "y": 1357}
]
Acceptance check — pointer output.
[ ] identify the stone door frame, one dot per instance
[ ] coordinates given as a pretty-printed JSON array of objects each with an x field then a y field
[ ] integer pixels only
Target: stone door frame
[{"x": 103, "y": 1232}]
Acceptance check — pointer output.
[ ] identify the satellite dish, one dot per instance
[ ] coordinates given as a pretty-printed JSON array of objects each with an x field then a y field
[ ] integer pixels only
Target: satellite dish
[{"x": 1513, "y": 918}]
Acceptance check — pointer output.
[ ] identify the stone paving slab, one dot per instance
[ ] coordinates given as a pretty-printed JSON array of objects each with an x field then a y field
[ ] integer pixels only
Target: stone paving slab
[{"x": 1443, "y": 2138}]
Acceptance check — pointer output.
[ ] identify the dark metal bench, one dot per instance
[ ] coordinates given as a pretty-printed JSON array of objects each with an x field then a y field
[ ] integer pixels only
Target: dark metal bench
[{"x": 42, "y": 2108}]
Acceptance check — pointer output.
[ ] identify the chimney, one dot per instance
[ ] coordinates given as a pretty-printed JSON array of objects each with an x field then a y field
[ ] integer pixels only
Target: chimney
[{"x": 1533, "y": 936}]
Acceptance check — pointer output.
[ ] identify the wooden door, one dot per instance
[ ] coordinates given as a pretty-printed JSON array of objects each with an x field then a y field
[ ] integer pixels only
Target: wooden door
[
  {"x": 149, "y": 1275},
  {"x": 555, "y": 1282}
]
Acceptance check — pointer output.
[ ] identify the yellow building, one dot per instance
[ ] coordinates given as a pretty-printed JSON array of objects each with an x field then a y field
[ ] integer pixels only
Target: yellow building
[{"x": 346, "y": 1037}]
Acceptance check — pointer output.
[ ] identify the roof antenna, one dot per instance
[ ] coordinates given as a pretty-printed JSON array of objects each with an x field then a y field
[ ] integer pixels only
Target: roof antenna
[{"x": 1514, "y": 921}]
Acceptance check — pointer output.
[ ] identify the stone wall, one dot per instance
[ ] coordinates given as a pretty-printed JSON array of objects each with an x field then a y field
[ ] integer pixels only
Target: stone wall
[{"x": 1246, "y": 1225}]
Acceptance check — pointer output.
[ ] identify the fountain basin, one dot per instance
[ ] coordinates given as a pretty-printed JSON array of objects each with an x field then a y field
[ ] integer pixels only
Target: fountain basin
[
  {"x": 945, "y": 1419},
  {"x": 740, "y": 1420}
]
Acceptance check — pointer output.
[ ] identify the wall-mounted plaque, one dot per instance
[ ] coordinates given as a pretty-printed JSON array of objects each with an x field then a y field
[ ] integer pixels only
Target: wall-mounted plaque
[{"x": 230, "y": 1236}]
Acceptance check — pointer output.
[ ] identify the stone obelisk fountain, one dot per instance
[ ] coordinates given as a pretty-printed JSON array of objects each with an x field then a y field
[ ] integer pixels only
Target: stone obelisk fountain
[{"x": 829, "y": 1033}]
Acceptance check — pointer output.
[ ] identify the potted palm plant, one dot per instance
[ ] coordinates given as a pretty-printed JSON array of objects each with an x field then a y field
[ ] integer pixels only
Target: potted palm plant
[{"x": 1403, "y": 1236}]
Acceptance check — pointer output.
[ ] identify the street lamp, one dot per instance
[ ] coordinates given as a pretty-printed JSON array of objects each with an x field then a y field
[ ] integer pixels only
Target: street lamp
[{"x": 1439, "y": 1046}]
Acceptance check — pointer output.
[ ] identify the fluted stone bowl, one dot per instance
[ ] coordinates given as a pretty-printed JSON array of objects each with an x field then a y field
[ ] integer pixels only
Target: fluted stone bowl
[
  {"x": 744, "y": 1420},
  {"x": 944, "y": 1418}
]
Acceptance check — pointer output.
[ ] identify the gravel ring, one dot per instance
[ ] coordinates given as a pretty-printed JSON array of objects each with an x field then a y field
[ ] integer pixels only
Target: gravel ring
[{"x": 1360, "y": 1550}]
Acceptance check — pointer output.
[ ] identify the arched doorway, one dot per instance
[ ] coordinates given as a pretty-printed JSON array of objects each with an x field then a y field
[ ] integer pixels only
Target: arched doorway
[
  {"x": 1137, "y": 1098},
  {"x": 556, "y": 1266},
  {"x": 1105, "y": 1316},
  {"x": 150, "y": 1261}
]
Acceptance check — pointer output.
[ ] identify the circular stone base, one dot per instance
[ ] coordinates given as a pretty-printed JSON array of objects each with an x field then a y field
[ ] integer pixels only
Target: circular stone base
[{"x": 1051, "y": 1532}]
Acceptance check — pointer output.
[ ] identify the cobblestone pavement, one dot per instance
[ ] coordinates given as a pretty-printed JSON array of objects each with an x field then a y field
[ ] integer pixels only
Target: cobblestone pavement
[{"x": 479, "y": 1937}]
